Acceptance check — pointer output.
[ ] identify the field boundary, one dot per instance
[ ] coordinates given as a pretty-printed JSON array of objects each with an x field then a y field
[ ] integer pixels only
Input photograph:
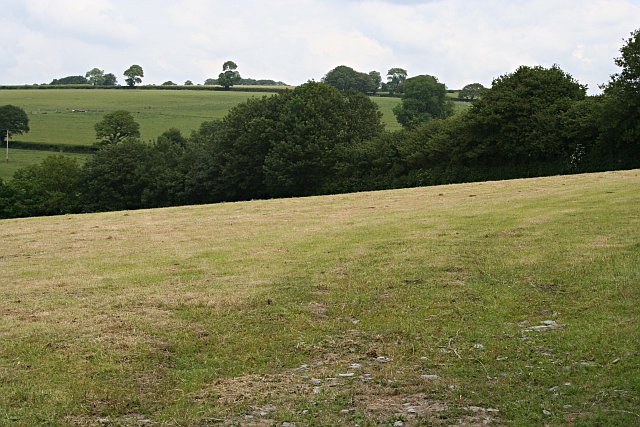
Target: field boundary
[
  {"x": 62, "y": 148},
  {"x": 262, "y": 89}
]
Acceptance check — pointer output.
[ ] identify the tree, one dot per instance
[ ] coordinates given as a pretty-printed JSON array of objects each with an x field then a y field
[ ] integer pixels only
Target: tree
[
  {"x": 395, "y": 79},
  {"x": 70, "y": 80},
  {"x": 471, "y": 91},
  {"x": 376, "y": 78},
  {"x": 211, "y": 82},
  {"x": 424, "y": 98},
  {"x": 346, "y": 78},
  {"x": 168, "y": 83},
  {"x": 188, "y": 83},
  {"x": 96, "y": 77},
  {"x": 319, "y": 127},
  {"x": 518, "y": 120},
  {"x": 621, "y": 121},
  {"x": 174, "y": 136},
  {"x": 115, "y": 127},
  {"x": 292, "y": 143},
  {"x": 229, "y": 76},
  {"x": 48, "y": 188},
  {"x": 115, "y": 177},
  {"x": 133, "y": 75},
  {"x": 13, "y": 119},
  {"x": 109, "y": 80}
]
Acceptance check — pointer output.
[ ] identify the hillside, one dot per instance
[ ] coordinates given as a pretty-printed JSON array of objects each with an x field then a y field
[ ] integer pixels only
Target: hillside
[{"x": 511, "y": 302}]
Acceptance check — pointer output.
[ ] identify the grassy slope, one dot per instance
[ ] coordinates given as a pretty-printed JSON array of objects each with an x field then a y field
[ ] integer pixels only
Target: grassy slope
[
  {"x": 195, "y": 315},
  {"x": 52, "y": 121}
]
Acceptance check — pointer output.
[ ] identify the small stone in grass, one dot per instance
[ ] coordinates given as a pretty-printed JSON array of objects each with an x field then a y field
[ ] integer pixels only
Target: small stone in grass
[{"x": 431, "y": 377}]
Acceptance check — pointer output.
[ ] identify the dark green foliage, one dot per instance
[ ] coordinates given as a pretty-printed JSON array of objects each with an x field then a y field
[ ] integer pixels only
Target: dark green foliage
[
  {"x": 116, "y": 177},
  {"x": 6, "y": 200},
  {"x": 395, "y": 80},
  {"x": 229, "y": 76},
  {"x": 424, "y": 98},
  {"x": 292, "y": 143},
  {"x": 320, "y": 125},
  {"x": 621, "y": 121},
  {"x": 174, "y": 136},
  {"x": 471, "y": 91},
  {"x": 70, "y": 80},
  {"x": 519, "y": 118},
  {"x": 580, "y": 130},
  {"x": 188, "y": 83},
  {"x": 345, "y": 78},
  {"x": 169, "y": 83},
  {"x": 109, "y": 80},
  {"x": 48, "y": 188},
  {"x": 13, "y": 119},
  {"x": 115, "y": 127},
  {"x": 133, "y": 75},
  {"x": 376, "y": 78}
]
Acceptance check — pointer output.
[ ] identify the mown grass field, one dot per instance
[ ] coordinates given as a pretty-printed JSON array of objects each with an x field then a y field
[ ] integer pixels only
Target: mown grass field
[{"x": 505, "y": 303}]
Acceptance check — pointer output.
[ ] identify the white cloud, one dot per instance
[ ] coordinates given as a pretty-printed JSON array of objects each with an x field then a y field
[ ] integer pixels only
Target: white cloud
[{"x": 459, "y": 41}]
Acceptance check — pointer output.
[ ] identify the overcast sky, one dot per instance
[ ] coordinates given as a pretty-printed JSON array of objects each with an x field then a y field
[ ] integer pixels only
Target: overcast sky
[{"x": 458, "y": 41}]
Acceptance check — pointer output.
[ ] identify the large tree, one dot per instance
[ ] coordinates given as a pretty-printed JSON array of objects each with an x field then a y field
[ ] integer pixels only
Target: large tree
[
  {"x": 48, "y": 188},
  {"x": 133, "y": 75},
  {"x": 230, "y": 75},
  {"x": 13, "y": 119},
  {"x": 621, "y": 121},
  {"x": 395, "y": 79},
  {"x": 95, "y": 76},
  {"x": 471, "y": 91},
  {"x": 109, "y": 80},
  {"x": 346, "y": 78},
  {"x": 424, "y": 98},
  {"x": 376, "y": 78},
  {"x": 519, "y": 118},
  {"x": 320, "y": 127},
  {"x": 292, "y": 143},
  {"x": 116, "y": 127}
]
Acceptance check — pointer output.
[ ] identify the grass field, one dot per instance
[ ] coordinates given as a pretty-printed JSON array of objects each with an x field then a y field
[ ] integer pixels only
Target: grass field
[
  {"x": 52, "y": 120},
  {"x": 499, "y": 303},
  {"x": 20, "y": 158}
]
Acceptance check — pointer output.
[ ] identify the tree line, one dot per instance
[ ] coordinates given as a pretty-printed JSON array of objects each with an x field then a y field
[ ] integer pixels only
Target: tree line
[
  {"x": 97, "y": 77},
  {"x": 318, "y": 139}
]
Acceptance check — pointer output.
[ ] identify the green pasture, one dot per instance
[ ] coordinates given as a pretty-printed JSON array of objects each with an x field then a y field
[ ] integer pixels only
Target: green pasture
[
  {"x": 19, "y": 158},
  {"x": 495, "y": 303},
  {"x": 386, "y": 105},
  {"x": 52, "y": 118}
]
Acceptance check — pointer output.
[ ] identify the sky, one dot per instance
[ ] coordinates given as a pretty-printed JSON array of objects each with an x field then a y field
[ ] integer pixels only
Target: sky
[{"x": 458, "y": 41}]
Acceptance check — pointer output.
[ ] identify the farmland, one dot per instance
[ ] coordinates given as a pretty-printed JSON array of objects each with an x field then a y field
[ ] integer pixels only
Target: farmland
[
  {"x": 68, "y": 116},
  {"x": 511, "y": 302}
]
